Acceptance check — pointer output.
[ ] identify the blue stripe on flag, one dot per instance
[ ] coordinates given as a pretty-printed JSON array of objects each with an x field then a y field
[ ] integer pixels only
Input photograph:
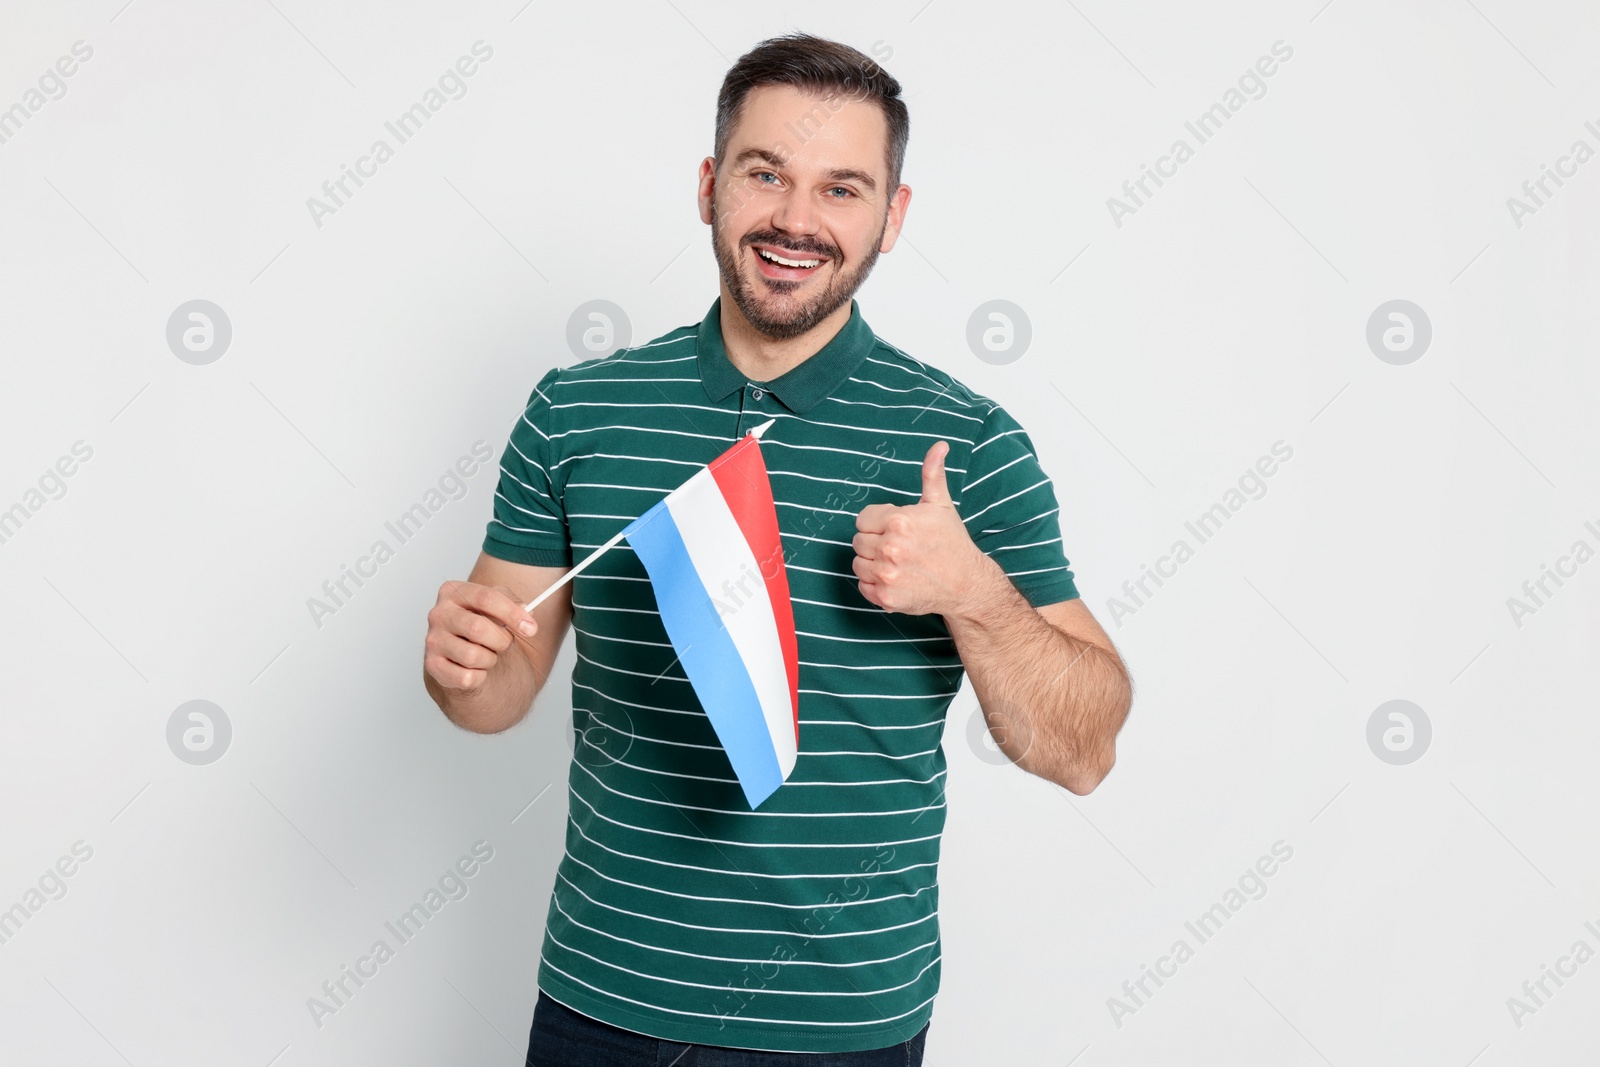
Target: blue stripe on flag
[{"x": 707, "y": 652}]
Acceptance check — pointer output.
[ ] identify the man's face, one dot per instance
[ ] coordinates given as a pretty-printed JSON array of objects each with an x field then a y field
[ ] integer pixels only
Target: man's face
[{"x": 805, "y": 179}]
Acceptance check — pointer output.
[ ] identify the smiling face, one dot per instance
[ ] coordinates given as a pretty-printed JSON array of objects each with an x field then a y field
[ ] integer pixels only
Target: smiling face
[{"x": 801, "y": 207}]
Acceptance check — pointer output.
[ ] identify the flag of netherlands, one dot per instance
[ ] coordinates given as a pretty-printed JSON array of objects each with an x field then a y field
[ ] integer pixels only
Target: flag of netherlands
[{"x": 707, "y": 540}]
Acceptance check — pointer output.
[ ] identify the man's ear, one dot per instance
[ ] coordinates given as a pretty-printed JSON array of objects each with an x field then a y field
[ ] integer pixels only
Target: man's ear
[
  {"x": 707, "y": 188},
  {"x": 898, "y": 203}
]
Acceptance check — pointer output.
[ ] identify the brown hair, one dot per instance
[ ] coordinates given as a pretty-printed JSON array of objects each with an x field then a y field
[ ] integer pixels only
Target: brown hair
[{"x": 820, "y": 67}]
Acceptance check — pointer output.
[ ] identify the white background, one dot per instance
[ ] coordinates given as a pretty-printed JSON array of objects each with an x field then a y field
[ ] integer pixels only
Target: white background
[{"x": 1168, "y": 353}]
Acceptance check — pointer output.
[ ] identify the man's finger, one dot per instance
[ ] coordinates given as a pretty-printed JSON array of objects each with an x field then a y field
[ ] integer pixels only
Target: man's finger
[
  {"x": 522, "y": 619},
  {"x": 934, "y": 488},
  {"x": 874, "y": 518},
  {"x": 866, "y": 545},
  {"x": 465, "y": 653},
  {"x": 474, "y": 626},
  {"x": 501, "y": 605}
]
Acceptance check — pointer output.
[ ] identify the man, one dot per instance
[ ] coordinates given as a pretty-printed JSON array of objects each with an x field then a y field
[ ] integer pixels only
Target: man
[{"x": 920, "y": 537}]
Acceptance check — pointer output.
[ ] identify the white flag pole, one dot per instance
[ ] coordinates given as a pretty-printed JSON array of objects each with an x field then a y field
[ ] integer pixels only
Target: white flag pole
[{"x": 754, "y": 431}]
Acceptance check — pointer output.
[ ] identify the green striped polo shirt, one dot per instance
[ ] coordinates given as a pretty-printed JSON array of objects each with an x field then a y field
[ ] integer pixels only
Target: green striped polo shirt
[{"x": 811, "y": 925}]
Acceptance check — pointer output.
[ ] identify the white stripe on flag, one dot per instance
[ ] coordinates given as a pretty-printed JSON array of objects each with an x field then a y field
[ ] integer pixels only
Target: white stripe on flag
[{"x": 720, "y": 553}]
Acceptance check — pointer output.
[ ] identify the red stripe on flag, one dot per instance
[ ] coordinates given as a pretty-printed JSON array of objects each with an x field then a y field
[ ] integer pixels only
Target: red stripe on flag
[{"x": 741, "y": 474}]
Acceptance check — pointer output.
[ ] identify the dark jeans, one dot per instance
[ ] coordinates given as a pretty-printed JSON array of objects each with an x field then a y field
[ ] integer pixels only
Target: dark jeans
[{"x": 562, "y": 1037}]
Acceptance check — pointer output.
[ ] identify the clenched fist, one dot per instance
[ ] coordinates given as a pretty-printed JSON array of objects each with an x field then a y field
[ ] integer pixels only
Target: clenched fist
[{"x": 468, "y": 629}]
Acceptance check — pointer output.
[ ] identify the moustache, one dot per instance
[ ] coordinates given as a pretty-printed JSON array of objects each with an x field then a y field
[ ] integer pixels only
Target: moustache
[{"x": 815, "y": 253}]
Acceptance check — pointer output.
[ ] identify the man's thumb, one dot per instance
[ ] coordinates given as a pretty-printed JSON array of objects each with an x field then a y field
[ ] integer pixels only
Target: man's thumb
[{"x": 934, "y": 489}]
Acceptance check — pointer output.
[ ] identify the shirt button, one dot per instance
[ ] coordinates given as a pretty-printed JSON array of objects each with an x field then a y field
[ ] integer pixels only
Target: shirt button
[{"x": 758, "y": 394}]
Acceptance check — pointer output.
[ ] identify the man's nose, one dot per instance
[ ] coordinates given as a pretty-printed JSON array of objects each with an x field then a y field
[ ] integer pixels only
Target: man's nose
[{"x": 795, "y": 213}]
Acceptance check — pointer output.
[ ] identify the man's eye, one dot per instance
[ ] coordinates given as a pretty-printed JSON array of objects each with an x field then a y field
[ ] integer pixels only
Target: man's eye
[
  {"x": 764, "y": 174},
  {"x": 841, "y": 189}
]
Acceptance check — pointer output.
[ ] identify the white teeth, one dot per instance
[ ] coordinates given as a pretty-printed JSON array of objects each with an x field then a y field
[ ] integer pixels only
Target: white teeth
[{"x": 775, "y": 258}]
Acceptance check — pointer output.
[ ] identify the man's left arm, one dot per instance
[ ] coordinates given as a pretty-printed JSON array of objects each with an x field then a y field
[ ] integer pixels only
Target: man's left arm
[{"x": 1052, "y": 687}]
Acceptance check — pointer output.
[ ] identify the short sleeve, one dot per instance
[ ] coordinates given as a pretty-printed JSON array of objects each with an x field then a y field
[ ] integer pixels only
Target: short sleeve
[
  {"x": 530, "y": 524},
  {"x": 1009, "y": 506}
]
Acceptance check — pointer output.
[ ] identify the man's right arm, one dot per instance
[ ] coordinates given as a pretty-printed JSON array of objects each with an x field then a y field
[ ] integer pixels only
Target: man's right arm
[{"x": 480, "y": 664}]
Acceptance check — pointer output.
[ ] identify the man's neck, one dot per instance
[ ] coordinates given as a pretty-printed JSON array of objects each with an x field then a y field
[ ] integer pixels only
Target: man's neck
[{"x": 761, "y": 358}]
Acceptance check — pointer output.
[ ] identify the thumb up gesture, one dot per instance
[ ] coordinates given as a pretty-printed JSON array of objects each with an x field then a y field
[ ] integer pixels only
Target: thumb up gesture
[{"x": 917, "y": 558}]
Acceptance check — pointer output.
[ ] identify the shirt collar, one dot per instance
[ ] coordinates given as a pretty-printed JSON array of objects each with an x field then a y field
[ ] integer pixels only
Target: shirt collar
[{"x": 804, "y": 385}]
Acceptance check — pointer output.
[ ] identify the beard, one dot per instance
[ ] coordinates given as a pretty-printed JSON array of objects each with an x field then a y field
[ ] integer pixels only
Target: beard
[{"x": 769, "y": 305}]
